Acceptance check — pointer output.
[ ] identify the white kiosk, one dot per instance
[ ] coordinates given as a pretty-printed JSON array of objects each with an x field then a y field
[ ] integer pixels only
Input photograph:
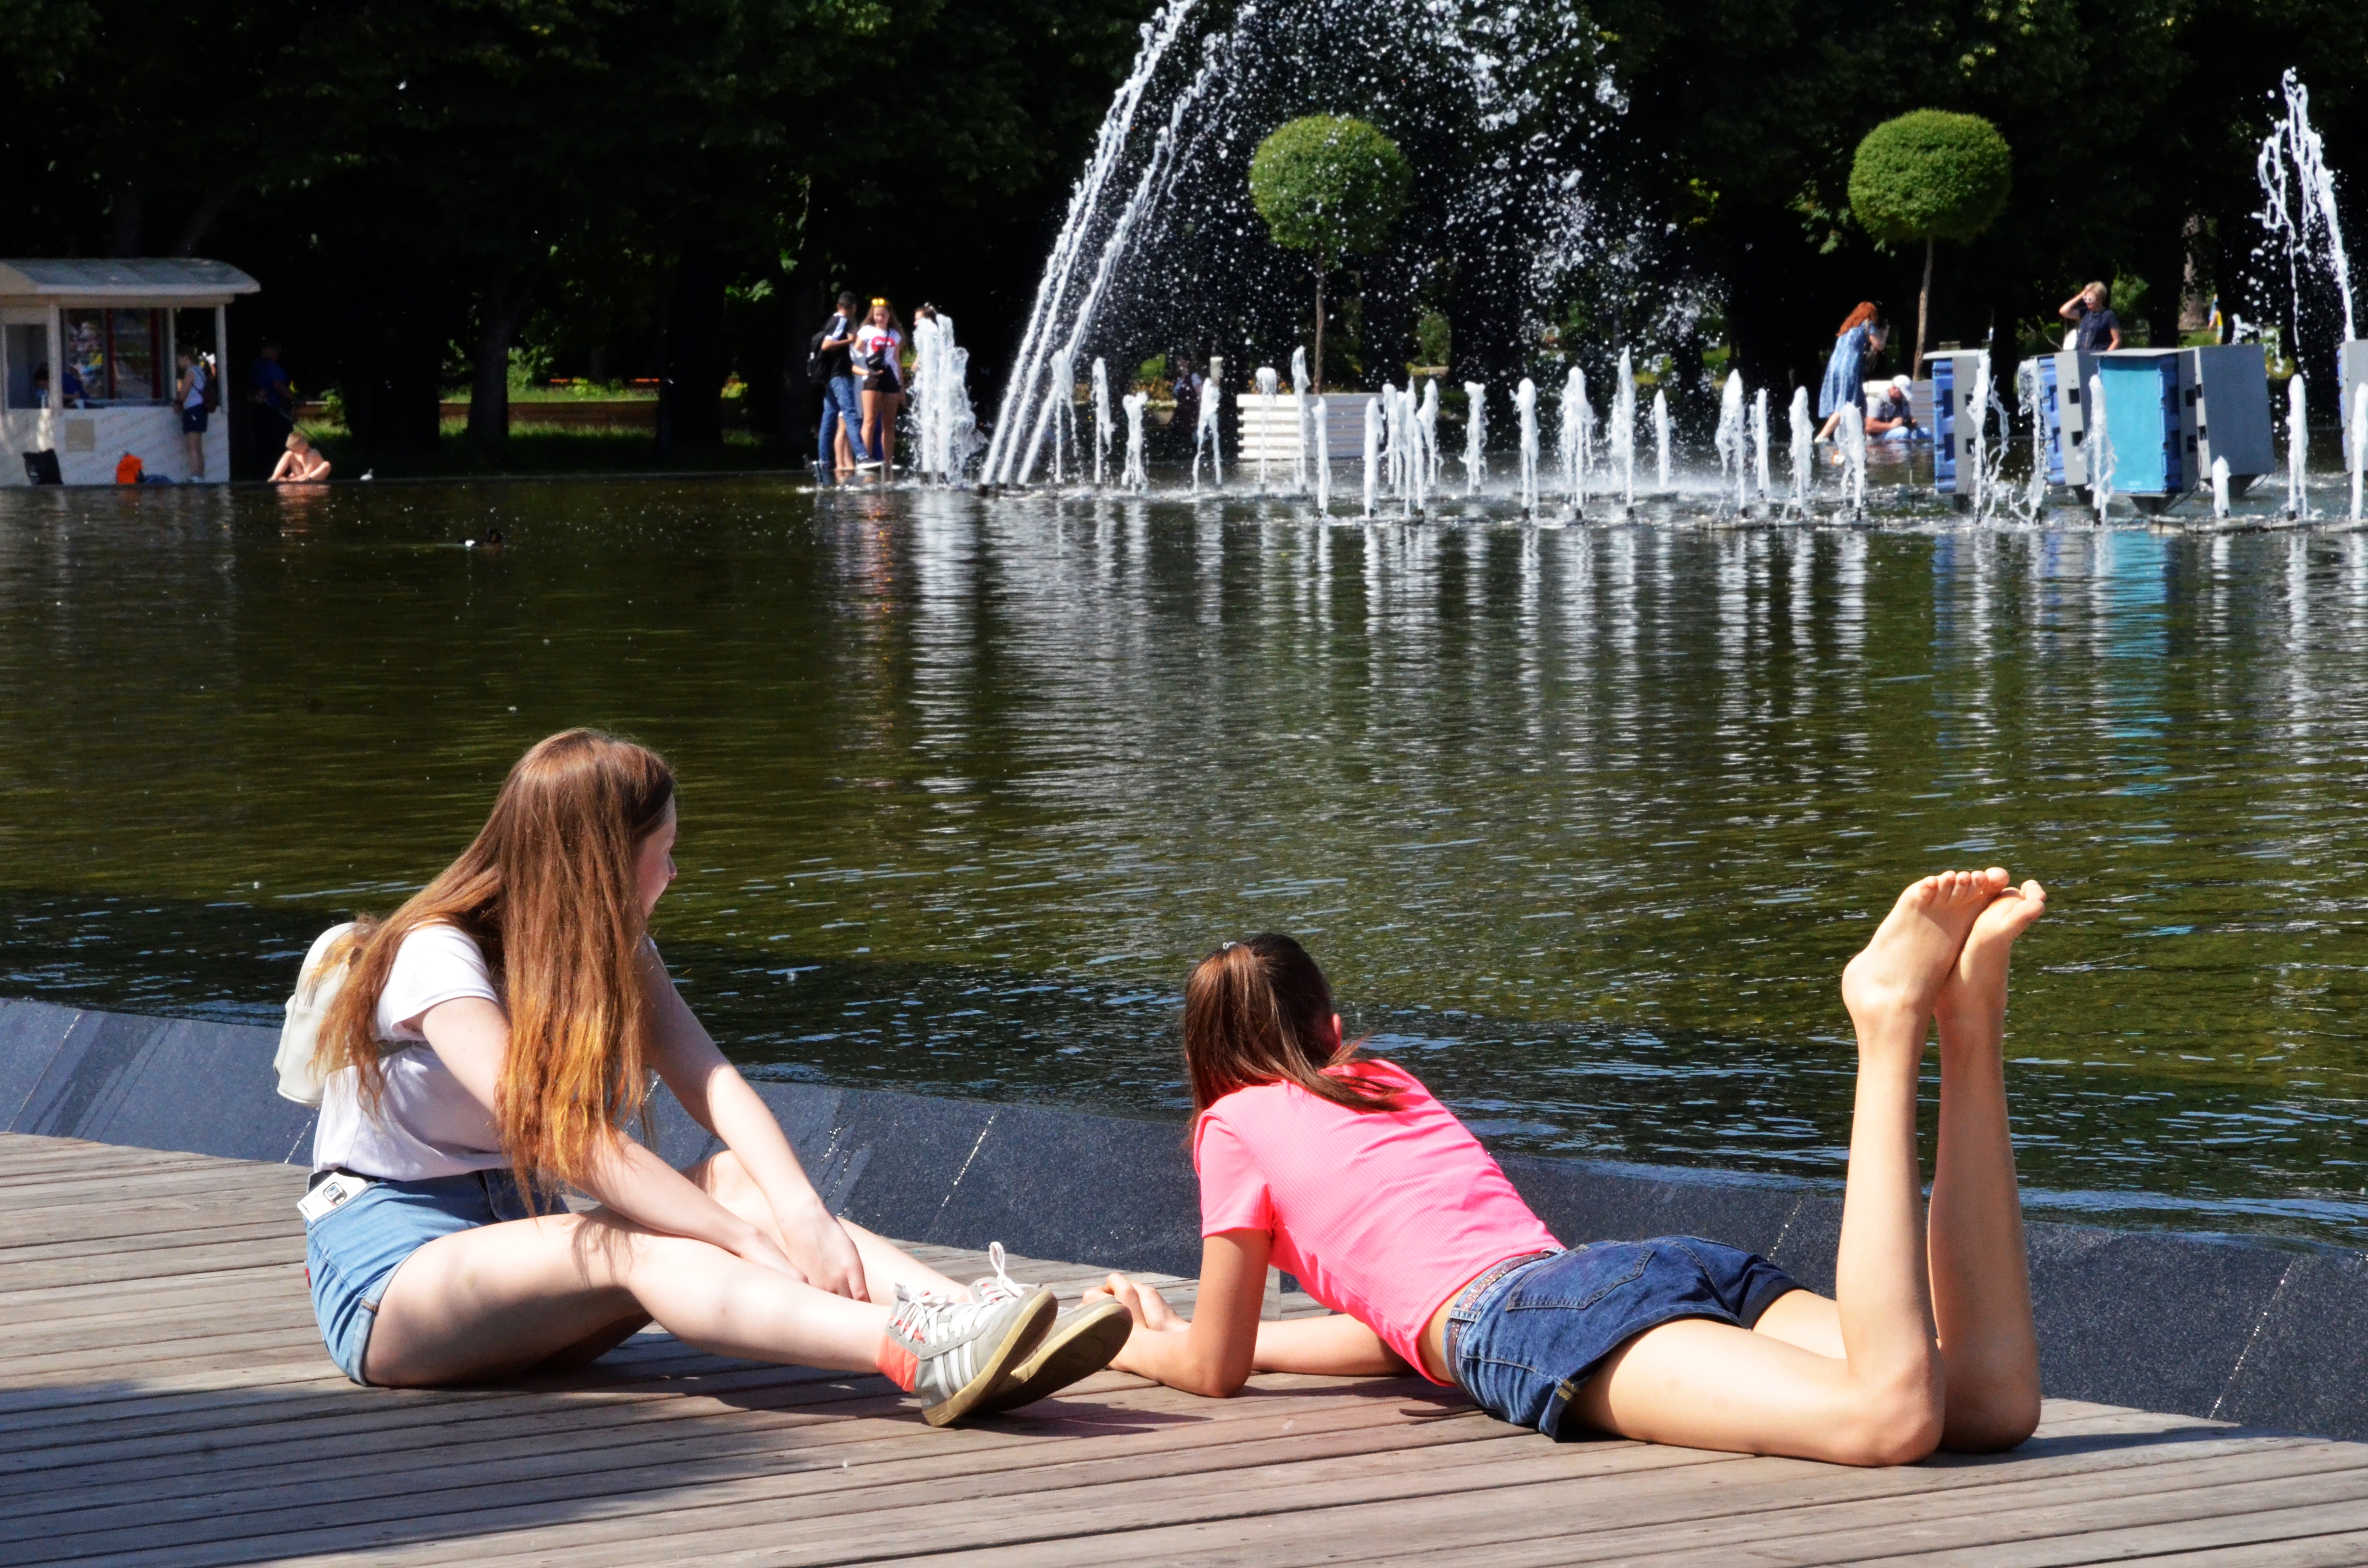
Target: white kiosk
[{"x": 87, "y": 365}]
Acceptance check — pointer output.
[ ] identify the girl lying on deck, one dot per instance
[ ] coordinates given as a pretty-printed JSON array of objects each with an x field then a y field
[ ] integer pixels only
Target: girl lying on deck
[
  {"x": 490, "y": 1041},
  {"x": 1348, "y": 1173}
]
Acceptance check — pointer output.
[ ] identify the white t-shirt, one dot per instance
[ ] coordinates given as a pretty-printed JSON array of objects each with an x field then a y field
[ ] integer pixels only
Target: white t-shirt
[
  {"x": 427, "y": 1125},
  {"x": 886, "y": 342}
]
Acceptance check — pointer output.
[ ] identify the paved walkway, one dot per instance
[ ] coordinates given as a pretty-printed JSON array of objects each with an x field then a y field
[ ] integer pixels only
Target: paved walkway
[{"x": 164, "y": 1399}]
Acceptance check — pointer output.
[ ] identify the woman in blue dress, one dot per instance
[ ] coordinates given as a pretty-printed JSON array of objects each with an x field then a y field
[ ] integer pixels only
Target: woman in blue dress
[{"x": 1861, "y": 335}]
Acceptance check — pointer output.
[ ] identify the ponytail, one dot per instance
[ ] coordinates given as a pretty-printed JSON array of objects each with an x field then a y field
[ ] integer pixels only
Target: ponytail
[{"x": 1259, "y": 1011}]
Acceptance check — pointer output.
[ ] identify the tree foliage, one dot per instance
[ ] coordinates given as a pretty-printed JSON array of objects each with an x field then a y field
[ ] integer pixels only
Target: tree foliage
[
  {"x": 1931, "y": 175},
  {"x": 1329, "y": 185}
]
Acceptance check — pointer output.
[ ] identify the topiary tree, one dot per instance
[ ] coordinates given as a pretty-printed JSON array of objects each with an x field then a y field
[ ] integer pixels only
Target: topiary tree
[
  {"x": 1930, "y": 175},
  {"x": 1332, "y": 186}
]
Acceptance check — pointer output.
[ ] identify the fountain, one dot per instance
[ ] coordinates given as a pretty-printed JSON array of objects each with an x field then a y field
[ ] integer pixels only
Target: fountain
[
  {"x": 2297, "y": 452},
  {"x": 2359, "y": 445},
  {"x": 1373, "y": 455},
  {"x": 1525, "y": 406},
  {"x": 1323, "y": 458},
  {"x": 1661, "y": 437},
  {"x": 1063, "y": 412},
  {"x": 1853, "y": 432},
  {"x": 1476, "y": 436},
  {"x": 2100, "y": 447},
  {"x": 1728, "y": 436},
  {"x": 1418, "y": 470},
  {"x": 2220, "y": 489},
  {"x": 1759, "y": 445},
  {"x": 1208, "y": 432},
  {"x": 1804, "y": 449},
  {"x": 1570, "y": 444},
  {"x": 1102, "y": 427},
  {"x": 1267, "y": 381},
  {"x": 945, "y": 427},
  {"x": 1977, "y": 404},
  {"x": 1299, "y": 420},
  {"x": 2036, "y": 387},
  {"x": 1623, "y": 429},
  {"x": 1136, "y": 477},
  {"x": 1427, "y": 423}
]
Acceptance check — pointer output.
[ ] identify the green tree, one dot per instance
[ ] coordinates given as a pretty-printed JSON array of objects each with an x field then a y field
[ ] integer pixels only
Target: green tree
[
  {"x": 1330, "y": 186},
  {"x": 1930, "y": 176}
]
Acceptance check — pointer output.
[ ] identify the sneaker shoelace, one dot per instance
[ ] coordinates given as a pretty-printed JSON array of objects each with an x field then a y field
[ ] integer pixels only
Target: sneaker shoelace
[
  {"x": 916, "y": 1310},
  {"x": 998, "y": 1286}
]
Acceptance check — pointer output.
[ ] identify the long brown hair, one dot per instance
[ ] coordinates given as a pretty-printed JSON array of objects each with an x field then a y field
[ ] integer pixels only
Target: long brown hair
[
  {"x": 1259, "y": 1011},
  {"x": 548, "y": 891},
  {"x": 1865, "y": 312}
]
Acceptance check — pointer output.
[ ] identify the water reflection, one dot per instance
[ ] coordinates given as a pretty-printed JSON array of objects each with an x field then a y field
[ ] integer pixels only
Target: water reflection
[{"x": 1582, "y": 819}]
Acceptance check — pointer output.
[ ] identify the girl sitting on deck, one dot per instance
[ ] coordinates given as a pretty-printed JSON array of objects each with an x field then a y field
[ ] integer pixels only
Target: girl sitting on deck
[
  {"x": 1349, "y": 1175},
  {"x": 489, "y": 1042}
]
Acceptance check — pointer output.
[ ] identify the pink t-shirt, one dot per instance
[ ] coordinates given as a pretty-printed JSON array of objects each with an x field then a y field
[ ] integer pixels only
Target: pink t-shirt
[{"x": 1382, "y": 1215}]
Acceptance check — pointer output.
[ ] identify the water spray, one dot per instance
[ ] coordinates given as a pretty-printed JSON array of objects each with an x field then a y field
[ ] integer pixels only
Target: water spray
[
  {"x": 1525, "y": 404},
  {"x": 1804, "y": 449},
  {"x": 1103, "y": 430},
  {"x": 1476, "y": 436}
]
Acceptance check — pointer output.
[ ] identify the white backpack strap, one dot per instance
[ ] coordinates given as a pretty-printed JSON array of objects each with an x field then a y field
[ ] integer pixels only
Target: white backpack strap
[{"x": 317, "y": 984}]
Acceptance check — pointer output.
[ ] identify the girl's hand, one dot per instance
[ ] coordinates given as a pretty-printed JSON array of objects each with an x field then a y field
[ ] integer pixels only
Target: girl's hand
[
  {"x": 823, "y": 1251},
  {"x": 1146, "y": 1306}
]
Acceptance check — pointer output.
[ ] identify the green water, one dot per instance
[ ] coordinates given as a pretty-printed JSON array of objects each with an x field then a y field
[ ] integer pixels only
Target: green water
[{"x": 1583, "y": 822}]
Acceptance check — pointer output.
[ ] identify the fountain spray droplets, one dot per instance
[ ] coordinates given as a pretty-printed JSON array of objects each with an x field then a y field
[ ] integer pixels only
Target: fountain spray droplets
[
  {"x": 2220, "y": 488},
  {"x": 1103, "y": 430},
  {"x": 1525, "y": 406},
  {"x": 1427, "y": 422},
  {"x": 1267, "y": 381},
  {"x": 1137, "y": 476},
  {"x": 1804, "y": 449},
  {"x": 1207, "y": 432},
  {"x": 1977, "y": 409},
  {"x": 2303, "y": 220},
  {"x": 1661, "y": 437},
  {"x": 1476, "y": 436},
  {"x": 2027, "y": 387}
]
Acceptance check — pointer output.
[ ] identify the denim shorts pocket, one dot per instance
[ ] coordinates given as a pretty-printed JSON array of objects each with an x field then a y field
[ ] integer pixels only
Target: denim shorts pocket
[{"x": 1566, "y": 1288}]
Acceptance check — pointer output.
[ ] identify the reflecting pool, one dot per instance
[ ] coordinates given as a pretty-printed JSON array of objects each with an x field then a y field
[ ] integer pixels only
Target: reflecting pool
[{"x": 1583, "y": 821}]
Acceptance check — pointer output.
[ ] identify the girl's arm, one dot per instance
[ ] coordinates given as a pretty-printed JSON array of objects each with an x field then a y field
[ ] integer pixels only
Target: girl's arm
[
  {"x": 1215, "y": 1350},
  {"x": 471, "y": 1036},
  {"x": 718, "y": 1099}
]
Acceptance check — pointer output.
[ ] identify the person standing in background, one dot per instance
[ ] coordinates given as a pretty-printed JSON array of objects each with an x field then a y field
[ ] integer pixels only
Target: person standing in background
[
  {"x": 878, "y": 355},
  {"x": 275, "y": 398},
  {"x": 841, "y": 410},
  {"x": 1860, "y": 337},
  {"x": 189, "y": 396},
  {"x": 2095, "y": 328}
]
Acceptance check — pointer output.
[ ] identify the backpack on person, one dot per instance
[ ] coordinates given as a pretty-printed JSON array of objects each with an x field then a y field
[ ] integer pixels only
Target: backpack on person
[
  {"x": 317, "y": 984},
  {"x": 818, "y": 371},
  {"x": 210, "y": 392}
]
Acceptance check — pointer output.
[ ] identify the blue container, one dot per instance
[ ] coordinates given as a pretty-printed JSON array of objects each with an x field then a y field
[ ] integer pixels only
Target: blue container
[{"x": 2142, "y": 420}]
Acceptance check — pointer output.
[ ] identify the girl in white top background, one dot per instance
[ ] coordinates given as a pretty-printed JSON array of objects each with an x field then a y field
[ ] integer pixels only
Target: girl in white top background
[
  {"x": 879, "y": 348},
  {"x": 489, "y": 1044}
]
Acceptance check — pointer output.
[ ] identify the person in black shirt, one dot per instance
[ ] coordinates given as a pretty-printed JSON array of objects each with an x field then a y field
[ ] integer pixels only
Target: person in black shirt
[
  {"x": 2095, "y": 328},
  {"x": 842, "y": 408}
]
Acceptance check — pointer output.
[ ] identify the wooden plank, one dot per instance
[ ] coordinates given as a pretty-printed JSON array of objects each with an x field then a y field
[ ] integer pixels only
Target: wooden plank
[{"x": 2344, "y": 1548}]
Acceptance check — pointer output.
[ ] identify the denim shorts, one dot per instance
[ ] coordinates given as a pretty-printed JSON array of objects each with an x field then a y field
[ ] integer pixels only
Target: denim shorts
[
  {"x": 352, "y": 1251},
  {"x": 1531, "y": 1338}
]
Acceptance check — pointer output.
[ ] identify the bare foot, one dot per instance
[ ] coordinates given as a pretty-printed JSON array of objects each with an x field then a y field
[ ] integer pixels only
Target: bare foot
[
  {"x": 1914, "y": 951},
  {"x": 1975, "y": 990}
]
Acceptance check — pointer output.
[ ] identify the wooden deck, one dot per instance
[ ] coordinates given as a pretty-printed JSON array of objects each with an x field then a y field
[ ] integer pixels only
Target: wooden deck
[{"x": 164, "y": 1399}]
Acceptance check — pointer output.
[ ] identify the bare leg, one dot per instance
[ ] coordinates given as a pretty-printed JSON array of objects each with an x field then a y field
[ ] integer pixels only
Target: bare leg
[
  {"x": 1882, "y": 1401},
  {"x": 1981, "y": 1282},
  {"x": 871, "y": 401}
]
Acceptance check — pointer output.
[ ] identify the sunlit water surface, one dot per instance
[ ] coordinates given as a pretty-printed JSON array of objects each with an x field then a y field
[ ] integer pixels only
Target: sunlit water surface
[{"x": 1583, "y": 821}]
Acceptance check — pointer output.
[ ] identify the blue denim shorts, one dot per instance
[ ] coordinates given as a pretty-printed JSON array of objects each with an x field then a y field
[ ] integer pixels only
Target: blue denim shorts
[
  {"x": 352, "y": 1251},
  {"x": 1529, "y": 1340}
]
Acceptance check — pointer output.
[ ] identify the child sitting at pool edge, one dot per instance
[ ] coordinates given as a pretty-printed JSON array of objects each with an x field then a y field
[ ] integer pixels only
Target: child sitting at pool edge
[{"x": 1347, "y": 1173}]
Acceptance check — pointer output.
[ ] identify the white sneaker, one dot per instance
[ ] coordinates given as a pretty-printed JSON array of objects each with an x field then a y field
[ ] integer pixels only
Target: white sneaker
[{"x": 961, "y": 1349}]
